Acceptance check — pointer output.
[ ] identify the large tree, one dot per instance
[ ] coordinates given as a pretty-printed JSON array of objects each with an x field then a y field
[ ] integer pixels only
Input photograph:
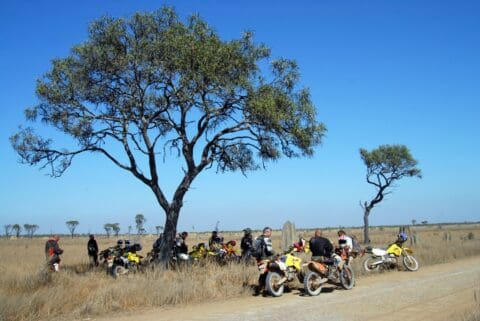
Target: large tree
[
  {"x": 72, "y": 225},
  {"x": 157, "y": 86},
  {"x": 385, "y": 165}
]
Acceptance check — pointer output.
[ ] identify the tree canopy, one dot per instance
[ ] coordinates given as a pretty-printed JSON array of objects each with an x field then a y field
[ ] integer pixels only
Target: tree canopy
[{"x": 156, "y": 86}]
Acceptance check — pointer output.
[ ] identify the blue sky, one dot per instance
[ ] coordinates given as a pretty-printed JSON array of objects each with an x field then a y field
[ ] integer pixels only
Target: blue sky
[{"x": 380, "y": 72}]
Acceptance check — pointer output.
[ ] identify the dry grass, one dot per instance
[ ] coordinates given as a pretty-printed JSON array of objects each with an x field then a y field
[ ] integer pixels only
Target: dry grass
[{"x": 28, "y": 293}]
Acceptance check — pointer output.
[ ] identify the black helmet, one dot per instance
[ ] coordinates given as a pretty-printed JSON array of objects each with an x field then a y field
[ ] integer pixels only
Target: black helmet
[
  {"x": 247, "y": 230},
  {"x": 119, "y": 242}
]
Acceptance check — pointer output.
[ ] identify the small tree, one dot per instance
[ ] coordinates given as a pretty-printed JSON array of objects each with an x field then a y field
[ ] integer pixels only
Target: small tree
[
  {"x": 414, "y": 221},
  {"x": 16, "y": 228},
  {"x": 116, "y": 228},
  {"x": 139, "y": 222},
  {"x": 30, "y": 229},
  {"x": 72, "y": 225},
  {"x": 108, "y": 228},
  {"x": 385, "y": 165},
  {"x": 129, "y": 230},
  {"x": 8, "y": 229}
]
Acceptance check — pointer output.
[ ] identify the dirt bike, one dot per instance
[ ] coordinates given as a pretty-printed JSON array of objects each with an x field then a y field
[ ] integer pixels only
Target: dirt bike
[
  {"x": 279, "y": 272},
  {"x": 227, "y": 253},
  {"x": 336, "y": 270},
  {"x": 388, "y": 259},
  {"x": 121, "y": 261}
]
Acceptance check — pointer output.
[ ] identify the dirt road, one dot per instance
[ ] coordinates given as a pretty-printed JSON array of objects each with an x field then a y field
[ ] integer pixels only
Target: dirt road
[{"x": 439, "y": 292}]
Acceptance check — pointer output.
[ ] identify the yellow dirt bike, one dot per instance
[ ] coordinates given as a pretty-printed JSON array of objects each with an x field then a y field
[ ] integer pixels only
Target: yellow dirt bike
[
  {"x": 336, "y": 270},
  {"x": 127, "y": 262},
  {"x": 280, "y": 271},
  {"x": 388, "y": 259}
]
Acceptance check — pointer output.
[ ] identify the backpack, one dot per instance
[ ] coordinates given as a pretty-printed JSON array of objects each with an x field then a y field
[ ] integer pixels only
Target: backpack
[{"x": 257, "y": 249}]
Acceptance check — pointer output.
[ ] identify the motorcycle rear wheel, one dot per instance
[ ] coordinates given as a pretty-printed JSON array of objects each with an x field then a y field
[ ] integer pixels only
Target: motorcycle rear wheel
[
  {"x": 119, "y": 271},
  {"x": 272, "y": 285},
  {"x": 369, "y": 265},
  {"x": 311, "y": 283},
  {"x": 347, "y": 277},
  {"x": 410, "y": 263}
]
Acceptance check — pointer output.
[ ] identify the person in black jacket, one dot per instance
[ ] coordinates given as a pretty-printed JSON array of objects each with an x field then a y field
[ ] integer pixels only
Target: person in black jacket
[
  {"x": 246, "y": 244},
  {"x": 92, "y": 249},
  {"x": 321, "y": 247}
]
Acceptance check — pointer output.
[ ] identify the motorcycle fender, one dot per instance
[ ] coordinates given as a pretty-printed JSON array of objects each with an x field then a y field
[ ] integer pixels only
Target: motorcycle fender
[
  {"x": 408, "y": 250},
  {"x": 379, "y": 252},
  {"x": 317, "y": 267}
]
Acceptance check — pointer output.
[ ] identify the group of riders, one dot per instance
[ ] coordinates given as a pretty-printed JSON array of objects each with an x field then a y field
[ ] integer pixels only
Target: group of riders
[{"x": 259, "y": 248}]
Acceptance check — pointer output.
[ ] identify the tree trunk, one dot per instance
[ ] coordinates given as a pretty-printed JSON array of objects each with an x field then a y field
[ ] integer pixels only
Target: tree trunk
[
  {"x": 169, "y": 234},
  {"x": 366, "y": 237}
]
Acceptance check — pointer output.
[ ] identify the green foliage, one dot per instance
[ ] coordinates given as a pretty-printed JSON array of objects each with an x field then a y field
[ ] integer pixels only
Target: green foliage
[
  {"x": 390, "y": 162},
  {"x": 150, "y": 77}
]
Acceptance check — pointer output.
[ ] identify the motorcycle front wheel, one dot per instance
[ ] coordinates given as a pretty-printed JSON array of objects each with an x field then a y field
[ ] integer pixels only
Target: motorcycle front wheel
[
  {"x": 371, "y": 264},
  {"x": 312, "y": 283},
  {"x": 347, "y": 277},
  {"x": 410, "y": 263},
  {"x": 272, "y": 284}
]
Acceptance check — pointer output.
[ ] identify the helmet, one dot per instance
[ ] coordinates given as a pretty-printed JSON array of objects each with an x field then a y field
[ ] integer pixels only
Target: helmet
[
  {"x": 119, "y": 242},
  {"x": 247, "y": 230},
  {"x": 402, "y": 236}
]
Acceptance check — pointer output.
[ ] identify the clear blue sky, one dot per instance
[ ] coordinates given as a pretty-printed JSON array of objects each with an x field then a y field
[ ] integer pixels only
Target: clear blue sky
[{"x": 380, "y": 72}]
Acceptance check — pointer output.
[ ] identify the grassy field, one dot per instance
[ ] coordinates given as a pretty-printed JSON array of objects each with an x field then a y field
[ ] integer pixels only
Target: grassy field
[{"x": 28, "y": 293}]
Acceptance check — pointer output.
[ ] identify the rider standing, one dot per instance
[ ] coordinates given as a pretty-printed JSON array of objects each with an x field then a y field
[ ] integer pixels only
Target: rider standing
[
  {"x": 52, "y": 253},
  {"x": 92, "y": 248},
  {"x": 263, "y": 245},
  {"x": 263, "y": 250},
  {"x": 246, "y": 244}
]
